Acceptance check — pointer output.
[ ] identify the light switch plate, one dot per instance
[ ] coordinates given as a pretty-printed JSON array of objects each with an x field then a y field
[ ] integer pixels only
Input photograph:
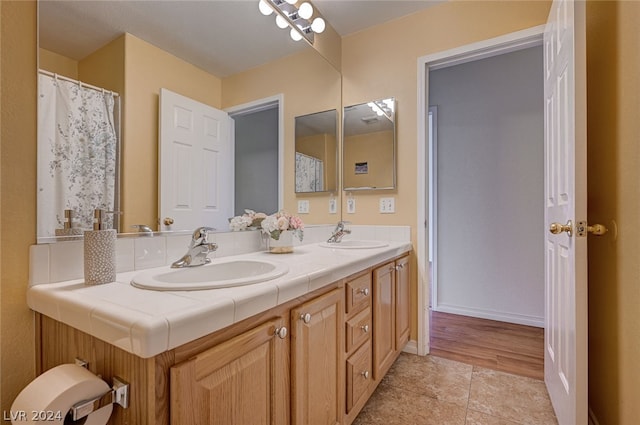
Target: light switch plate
[
  {"x": 303, "y": 207},
  {"x": 387, "y": 205}
]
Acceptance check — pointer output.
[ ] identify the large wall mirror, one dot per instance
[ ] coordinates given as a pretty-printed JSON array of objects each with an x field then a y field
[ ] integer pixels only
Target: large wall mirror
[
  {"x": 316, "y": 150},
  {"x": 369, "y": 146},
  {"x": 149, "y": 55}
]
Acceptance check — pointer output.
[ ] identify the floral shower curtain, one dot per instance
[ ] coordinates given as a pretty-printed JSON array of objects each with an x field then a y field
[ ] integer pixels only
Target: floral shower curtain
[
  {"x": 77, "y": 147},
  {"x": 309, "y": 173}
]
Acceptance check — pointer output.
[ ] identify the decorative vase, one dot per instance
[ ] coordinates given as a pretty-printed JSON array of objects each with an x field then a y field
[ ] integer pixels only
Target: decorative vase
[{"x": 283, "y": 245}]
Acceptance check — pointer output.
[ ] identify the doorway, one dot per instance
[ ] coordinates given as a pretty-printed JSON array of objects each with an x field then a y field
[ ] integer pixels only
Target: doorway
[
  {"x": 469, "y": 53},
  {"x": 258, "y": 155},
  {"x": 488, "y": 177}
]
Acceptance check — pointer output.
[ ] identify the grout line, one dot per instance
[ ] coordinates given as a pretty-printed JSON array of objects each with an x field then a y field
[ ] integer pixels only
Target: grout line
[{"x": 466, "y": 411}]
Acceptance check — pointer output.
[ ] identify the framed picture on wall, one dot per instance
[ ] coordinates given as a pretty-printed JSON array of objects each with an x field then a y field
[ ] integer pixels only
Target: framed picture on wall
[{"x": 362, "y": 168}]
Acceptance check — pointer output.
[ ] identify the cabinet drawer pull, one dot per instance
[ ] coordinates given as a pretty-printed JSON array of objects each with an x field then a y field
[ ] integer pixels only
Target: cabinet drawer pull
[
  {"x": 365, "y": 374},
  {"x": 306, "y": 318},
  {"x": 281, "y": 332},
  {"x": 364, "y": 291},
  {"x": 365, "y": 328}
]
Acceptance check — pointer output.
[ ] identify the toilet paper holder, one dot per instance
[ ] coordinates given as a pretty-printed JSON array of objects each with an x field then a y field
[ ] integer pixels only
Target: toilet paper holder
[{"x": 119, "y": 394}]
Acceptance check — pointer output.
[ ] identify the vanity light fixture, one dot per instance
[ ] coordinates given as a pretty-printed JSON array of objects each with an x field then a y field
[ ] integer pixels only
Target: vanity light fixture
[{"x": 298, "y": 18}]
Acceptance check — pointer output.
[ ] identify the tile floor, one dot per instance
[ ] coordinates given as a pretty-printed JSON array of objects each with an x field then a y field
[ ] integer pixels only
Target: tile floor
[{"x": 435, "y": 391}]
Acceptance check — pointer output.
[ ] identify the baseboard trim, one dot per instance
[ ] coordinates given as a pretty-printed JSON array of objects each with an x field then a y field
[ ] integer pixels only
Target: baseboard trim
[
  {"x": 519, "y": 319},
  {"x": 411, "y": 347},
  {"x": 593, "y": 420}
]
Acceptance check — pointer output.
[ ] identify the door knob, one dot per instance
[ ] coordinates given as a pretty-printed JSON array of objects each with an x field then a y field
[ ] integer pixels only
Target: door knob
[
  {"x": 583, "y": 228},
  {"x": 168, "y": 221},
  {"x": 557, "y": 228}
]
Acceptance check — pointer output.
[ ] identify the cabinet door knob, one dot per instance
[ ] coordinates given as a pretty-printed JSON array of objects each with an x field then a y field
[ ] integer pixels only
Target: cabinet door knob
[
  {"x": 399, "y": 267},
  {"x": 365, "y": 374},
  {"x": 365, "y": 328},
  {"x": 281, "y": 332},
  {"x": 364, "y": 291},
  {"x": 306, "y": 318}
]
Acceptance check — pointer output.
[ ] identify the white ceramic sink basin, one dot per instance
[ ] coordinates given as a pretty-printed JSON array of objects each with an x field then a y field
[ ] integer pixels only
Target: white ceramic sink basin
[
  {"x": 218, "y": 274},
  {"x": 354, "y": 244}
]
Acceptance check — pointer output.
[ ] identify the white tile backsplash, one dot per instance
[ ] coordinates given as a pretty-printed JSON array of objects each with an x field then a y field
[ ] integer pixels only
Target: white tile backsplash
[
  {"x": 38, "y": 264},
  {"x": 125, "y": 255},
  {"x": 66, "y": 261},
  {"x": 150, "y": 252},
  {"x": 63, "y": 261}
]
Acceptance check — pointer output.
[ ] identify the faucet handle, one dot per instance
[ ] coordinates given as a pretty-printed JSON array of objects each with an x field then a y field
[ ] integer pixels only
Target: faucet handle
[{"x": 200, "y": 234}]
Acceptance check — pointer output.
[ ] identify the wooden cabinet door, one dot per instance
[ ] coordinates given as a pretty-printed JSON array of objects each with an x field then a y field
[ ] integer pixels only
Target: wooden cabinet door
[
  {"x": 317, "y": 362},
  {"x": 384, "y": 313},
  {"x": 403, "y": 302},
  {"x": 244, "y": 381}
]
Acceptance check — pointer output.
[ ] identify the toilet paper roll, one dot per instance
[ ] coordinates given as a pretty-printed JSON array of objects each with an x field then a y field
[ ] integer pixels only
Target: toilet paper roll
[{"x": 49, "y": 397}]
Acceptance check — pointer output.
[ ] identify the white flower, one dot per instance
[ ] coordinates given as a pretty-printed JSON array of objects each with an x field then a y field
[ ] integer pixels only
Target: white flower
[{"x": 240, "y": 223}]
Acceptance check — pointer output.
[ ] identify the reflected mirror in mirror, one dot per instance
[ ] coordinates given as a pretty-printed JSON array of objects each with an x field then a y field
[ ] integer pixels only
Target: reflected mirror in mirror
[
  {"x": 316, "y": 152},
  {"x": 369, "y": 141}
]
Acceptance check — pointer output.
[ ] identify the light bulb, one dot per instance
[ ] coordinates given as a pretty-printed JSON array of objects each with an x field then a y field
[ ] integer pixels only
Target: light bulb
[
  {"x": 318, "y": 25},
  {"x": 265, "y": 9},
  {"x": 281, "y": 22},
  {"x": 295, "y": 35},
  {"x": 305, "y": 11},
  {"x": 291, "y": 1}
]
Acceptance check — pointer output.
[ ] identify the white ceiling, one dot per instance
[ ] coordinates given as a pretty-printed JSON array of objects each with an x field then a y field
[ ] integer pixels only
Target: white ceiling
[{"x": 223, "y": 37}]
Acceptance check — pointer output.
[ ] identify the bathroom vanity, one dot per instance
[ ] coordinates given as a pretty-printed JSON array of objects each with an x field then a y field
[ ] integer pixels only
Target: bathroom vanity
[{"x": 338, "y": 321}]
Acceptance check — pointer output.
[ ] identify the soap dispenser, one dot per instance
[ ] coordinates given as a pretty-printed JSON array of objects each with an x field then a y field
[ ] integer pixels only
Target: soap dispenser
[
  {"x": 99, "y": 252},
  {"x": 68, "y": 229}
]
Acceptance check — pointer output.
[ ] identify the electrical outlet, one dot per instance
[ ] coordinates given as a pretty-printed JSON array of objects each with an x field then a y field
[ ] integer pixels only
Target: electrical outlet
[
  {"x": 351, "y": 206},
  {"x": 333, "y": 207},
  {"x": 303, "y": 207},
  {"x": 387, "y": 205}
]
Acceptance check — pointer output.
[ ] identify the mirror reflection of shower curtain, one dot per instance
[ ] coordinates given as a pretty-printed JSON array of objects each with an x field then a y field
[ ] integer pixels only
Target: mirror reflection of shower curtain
[
  {"x": 77, "y": 152},
  {"x": 309, "y": 173}
]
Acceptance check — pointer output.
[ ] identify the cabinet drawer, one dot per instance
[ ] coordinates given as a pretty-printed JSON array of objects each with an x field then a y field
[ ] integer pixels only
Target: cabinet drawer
[
  {"x": 359, "y": 375},
  {"x": 358, "y": 293},
  {"x": 358, "y": 329}
]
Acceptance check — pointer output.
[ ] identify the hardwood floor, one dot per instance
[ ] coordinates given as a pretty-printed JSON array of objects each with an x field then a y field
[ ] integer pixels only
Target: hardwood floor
[{"x": 506, "y": 347}]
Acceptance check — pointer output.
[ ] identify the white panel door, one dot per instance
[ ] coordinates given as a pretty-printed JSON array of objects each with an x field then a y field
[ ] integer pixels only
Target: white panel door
[
  {"x": 565, "y": 200},
  {"x": 196, "y": 164}
]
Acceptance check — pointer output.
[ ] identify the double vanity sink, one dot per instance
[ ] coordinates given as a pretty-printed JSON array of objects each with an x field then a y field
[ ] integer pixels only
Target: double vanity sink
[
  {"x": 226, "y": 273},
  {"x": 147, "y": 312}
]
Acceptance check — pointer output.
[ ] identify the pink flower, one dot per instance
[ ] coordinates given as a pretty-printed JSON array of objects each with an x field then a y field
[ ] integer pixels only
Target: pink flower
[{"x": 296, "y": 223}]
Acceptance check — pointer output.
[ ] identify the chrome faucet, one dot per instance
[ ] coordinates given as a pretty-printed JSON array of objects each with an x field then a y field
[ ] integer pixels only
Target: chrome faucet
[
  {"x": 339, "y": 232},
  {"x": 143, "y": 228},
  {"x": 199, "y": 249}
]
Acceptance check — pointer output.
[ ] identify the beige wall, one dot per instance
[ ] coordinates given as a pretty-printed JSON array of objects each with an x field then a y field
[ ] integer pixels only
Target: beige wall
[
  {"x": 376, "y": 149},
  {"x": 147, "y": 70},
  {"x": 105, "y": 67},
  {"x": 59, "y": 64},
  {"x": 613, "y": 93},
  {"x": 18, "y": 93},
  {"x": 309, "y": 84}
]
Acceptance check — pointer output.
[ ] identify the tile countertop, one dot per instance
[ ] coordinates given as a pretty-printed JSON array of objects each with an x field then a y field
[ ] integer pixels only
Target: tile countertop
[{"x": 147, "y": 322}]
